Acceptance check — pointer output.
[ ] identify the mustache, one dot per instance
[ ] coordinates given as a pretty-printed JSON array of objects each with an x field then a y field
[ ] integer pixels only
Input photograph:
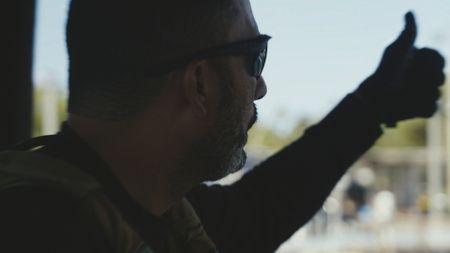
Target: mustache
[{"x": 254, "y": 117}]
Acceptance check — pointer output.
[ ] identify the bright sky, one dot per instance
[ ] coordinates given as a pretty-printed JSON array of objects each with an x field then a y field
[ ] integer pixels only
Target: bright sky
[{"x": 320, "y": 49}]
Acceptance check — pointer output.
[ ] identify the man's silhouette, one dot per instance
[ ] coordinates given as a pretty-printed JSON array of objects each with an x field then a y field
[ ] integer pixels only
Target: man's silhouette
[{"x": 161, "y": 98}]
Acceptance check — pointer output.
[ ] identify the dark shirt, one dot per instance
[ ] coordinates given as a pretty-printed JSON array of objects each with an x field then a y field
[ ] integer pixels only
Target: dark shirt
[{"x": 256, "y": 214}]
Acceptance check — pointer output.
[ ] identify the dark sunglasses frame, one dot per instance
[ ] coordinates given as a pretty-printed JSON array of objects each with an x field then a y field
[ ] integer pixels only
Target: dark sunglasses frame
[{"x": 255, "y": 48}]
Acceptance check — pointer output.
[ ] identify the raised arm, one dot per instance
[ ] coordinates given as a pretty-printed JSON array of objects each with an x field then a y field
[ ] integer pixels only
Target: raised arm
[{"x": 280, "y": 195}]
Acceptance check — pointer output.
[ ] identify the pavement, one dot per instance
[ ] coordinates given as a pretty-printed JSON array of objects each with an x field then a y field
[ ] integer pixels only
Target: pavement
[{"x": 406, "y": 234}]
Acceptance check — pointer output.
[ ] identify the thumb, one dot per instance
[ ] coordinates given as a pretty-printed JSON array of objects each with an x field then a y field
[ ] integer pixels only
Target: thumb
[
  {"x": 404, "y": 44},
  {"x": 399, "y": 54}
]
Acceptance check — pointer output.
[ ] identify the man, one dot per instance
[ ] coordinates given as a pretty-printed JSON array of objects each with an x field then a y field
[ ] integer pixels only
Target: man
[{"x": 161, "y": 98}]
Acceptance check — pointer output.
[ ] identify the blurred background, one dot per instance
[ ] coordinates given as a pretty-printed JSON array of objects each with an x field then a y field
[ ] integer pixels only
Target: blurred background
[{"x": 396, "y": 198}]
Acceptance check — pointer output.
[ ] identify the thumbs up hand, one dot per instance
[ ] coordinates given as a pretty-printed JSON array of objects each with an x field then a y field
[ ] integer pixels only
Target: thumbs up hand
[{"x": 406, "y": 83}]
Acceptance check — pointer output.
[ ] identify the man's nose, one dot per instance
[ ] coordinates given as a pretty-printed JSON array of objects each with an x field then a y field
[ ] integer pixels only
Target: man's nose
[{"x": 261, "y": 88}]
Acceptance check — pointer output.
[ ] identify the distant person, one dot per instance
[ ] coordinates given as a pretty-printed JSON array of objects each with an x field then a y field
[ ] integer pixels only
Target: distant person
[
  {"x": 161, "y": 98},
  {"x": 355, "y": 199}
]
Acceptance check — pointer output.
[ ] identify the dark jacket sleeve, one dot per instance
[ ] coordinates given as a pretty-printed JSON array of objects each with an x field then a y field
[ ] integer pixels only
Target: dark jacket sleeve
[
  {"x": 36, "y": 219},
  {"x": 276, "y": 198}
]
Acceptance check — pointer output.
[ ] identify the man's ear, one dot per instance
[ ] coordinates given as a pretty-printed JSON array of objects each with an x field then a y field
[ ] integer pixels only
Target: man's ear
[{"x": 197, "y": 87}]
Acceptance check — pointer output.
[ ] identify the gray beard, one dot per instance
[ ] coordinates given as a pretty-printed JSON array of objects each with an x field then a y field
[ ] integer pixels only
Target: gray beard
[
  {"x": 219, "y": 153},
  {"x": 224, "y": 154},
  {"x": 232, "y": 159}
]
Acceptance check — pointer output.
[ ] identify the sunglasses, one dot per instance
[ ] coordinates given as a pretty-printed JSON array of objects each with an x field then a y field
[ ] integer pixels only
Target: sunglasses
[{"x": 255, "y": 49}]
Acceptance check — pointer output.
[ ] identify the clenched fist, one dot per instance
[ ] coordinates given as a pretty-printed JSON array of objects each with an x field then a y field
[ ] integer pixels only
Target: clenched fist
[{"x": 406, "y": 83}]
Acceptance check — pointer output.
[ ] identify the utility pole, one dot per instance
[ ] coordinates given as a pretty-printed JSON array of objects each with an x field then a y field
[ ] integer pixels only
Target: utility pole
[
  {"x": 447, "y": 133},
  {"x": 435, "y": 163}
]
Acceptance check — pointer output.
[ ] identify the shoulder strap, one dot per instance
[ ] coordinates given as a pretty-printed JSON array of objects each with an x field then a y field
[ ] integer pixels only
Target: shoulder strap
[
  {"x": 35, "y": 142},
  {"x": 19, "y": 168}
]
